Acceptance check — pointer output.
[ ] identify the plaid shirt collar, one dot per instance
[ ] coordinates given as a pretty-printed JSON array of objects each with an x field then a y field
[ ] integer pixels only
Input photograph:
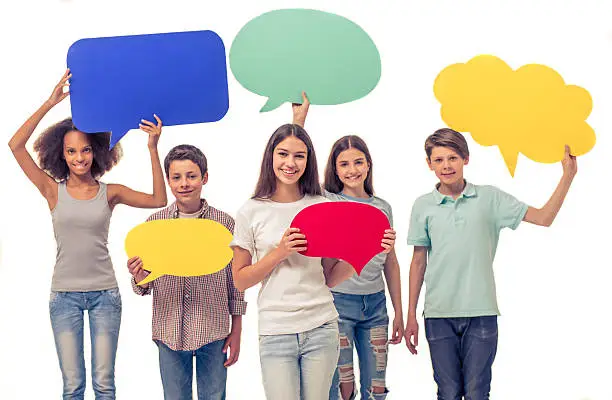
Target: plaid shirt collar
[{"x": 174, "y": 211}]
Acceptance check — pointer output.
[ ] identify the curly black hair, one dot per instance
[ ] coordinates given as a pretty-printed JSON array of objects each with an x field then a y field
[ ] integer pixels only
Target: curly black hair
[{"x": 50, "y": 148}]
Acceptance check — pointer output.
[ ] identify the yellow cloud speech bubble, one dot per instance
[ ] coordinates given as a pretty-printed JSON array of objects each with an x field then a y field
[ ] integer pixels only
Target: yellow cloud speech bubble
[
  {"x": 180, "y": 247},
  {"x": 530, "y": 110}
]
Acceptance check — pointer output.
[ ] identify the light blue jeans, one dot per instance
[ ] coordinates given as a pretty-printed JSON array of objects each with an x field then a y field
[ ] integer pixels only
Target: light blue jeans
[
  {"x": 363, "y": 326},
  {"x": 299, "y": 366},
  {"x": 104, "y": 311},
  {"x": 176, "y": 368}
]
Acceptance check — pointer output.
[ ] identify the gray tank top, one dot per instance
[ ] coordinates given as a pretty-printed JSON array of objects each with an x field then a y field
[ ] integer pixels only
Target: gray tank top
[{"x": 83, "y": 263}]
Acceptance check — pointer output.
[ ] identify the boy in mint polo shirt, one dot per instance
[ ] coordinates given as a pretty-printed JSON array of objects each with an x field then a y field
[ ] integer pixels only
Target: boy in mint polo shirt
[{"x": 454, "y": 230}]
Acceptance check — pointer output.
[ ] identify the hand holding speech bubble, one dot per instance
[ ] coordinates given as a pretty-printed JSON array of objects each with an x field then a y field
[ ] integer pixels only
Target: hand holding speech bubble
[
  {"x": 530, "y": 110},
  {"x": 117, "y": 81},
  {"x": 284, "y": 52},
  {"x": 180, "y": 247},
  {"x": 346, "y": 230}
]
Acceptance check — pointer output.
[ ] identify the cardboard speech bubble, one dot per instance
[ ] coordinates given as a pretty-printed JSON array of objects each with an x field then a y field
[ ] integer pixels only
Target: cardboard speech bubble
[
  {"x": 117, "y": 81},
  {"x": 345, "y": 230},
  {"x": 530, "y": 110},
  {"x": 180, "y": 247},
  {"x": 281, "y": 53}
]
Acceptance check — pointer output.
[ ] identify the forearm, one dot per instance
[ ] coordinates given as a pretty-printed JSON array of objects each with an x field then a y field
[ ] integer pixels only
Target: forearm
[
  {"x": 551, "y": 208},
  {"x": 394, "y": 284},
  {"x": 251, "y": 275},
  {"x": 336, "y": 271},
  {"x": 159, "y": 186},
  {"x": 140, "y": 290},
  {"x": 415, "y": 282},
  {"x": 23, "y": 134},
  {"x": 236, "y": 323}
]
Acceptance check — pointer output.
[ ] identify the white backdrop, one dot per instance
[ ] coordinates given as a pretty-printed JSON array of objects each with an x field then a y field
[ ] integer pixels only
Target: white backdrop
[{"x": 553, "y": 285}]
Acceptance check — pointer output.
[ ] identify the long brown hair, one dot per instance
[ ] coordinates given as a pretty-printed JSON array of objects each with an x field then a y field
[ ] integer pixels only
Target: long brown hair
[
  {"x": 332, "y": 182},
  {"x": 309, "y": 181}
]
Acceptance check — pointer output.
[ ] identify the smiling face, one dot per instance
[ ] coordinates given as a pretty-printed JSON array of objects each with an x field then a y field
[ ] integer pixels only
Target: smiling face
[
  {"x": 289, "y": 161},
  {"x": 447, "y": 164},
  {"x": 185, "y": 180},
  {"x": 352, "y": 168},
  {"x": 78, "y": 153}
]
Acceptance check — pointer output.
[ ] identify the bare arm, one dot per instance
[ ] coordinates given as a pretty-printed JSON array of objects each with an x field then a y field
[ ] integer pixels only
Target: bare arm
[
  {"x": 46, "y": 185},
  {"x": 336, "y": 271},
  {"x": 119, "y": 194},
  {"x": 392, "y": 276},
  {"x": 300, "y": 111},
  {"x": 417, "y": 274},
  {"x": 546, "y": 215},
  {"x": 247, "y": 274}
]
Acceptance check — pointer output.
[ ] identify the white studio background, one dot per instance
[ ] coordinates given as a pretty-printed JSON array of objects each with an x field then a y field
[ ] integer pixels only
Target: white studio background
[{"x": 553, "y": 284}]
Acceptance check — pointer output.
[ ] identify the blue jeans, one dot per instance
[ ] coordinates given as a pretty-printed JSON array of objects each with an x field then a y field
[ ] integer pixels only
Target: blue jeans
[
  {"x": 363, "y": 325},
  {"x": 299, "y": 366},
  {"x": 104, "y": 310},
  {"x": 176, "y": 368},
  {"x": 462, "y": 353}
]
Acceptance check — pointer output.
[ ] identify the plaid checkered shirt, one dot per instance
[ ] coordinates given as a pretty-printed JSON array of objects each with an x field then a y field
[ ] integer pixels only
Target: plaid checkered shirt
[{"x": 190, "y": 312}]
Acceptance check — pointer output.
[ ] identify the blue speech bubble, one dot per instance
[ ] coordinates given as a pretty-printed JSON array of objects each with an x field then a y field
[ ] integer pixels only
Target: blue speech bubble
[{"x": 117, "y": 81}]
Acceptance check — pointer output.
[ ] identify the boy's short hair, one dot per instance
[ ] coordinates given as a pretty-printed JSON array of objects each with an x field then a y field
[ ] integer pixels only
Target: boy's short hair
[
  {"x": 185, "y": 152},
  {"x": 447, "y": 137}
]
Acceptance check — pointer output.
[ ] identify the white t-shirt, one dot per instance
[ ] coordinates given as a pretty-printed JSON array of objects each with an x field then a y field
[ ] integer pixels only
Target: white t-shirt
[{"x": 293, "y": 298}]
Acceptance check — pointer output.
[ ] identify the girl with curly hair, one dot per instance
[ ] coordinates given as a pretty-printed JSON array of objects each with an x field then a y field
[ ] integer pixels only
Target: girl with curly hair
[{"x": 71, "y": 163}]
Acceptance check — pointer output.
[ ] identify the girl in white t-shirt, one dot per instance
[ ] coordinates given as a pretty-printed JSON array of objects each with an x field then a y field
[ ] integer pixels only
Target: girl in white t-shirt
[{"x": 298, "y": 323}]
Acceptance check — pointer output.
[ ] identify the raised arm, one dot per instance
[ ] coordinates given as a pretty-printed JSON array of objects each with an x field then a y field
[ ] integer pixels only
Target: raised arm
[
  {"x": 45, "y": 184},
  {"x": 247, "y": 274},
  {"x": 119, "y": 194},
  {"x": 415, "y": 282},
  {"x": 300, "y": 111},
  {"x": 546, "y": 215}
]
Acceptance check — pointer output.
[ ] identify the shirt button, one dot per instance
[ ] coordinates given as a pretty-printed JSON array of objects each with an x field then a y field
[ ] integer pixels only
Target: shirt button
[{"x": 186, "y": 296}]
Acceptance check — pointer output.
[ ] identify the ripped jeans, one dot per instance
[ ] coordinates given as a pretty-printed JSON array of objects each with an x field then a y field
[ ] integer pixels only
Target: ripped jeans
[{"x": 363, "y": 325}]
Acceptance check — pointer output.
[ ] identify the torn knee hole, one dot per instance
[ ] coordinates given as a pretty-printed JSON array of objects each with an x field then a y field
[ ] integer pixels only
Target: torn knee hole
[
  {"x": 344, "y": 342},
  {"x": 378, "y": 386},
  {"x": 346, "y": 373}
]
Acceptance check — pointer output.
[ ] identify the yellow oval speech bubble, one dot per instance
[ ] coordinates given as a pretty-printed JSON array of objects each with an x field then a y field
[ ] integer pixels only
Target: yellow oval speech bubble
[
  {"x": 530, "y": 110},
  {"x": 180, "y": 247}
]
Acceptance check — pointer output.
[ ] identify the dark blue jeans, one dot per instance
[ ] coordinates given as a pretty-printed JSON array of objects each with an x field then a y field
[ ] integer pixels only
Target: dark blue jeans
[
  {"x": 176, "y": 369},
  {"x": 462, "y": 353}
]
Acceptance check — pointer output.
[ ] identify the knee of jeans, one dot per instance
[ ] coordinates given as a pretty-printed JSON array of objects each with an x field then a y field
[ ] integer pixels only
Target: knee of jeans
[
  {"x": 346, "y": 373},
  {"x": 378, "y": 390},
  {"x": 379, "y": 343}
]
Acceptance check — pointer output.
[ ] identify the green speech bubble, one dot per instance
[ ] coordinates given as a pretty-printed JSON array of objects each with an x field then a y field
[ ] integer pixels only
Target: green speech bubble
[{"x": 284, "y": 52}]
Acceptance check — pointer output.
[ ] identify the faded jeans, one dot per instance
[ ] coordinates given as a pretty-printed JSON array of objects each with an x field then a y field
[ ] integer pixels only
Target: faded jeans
[
  {"x": 104, "y": 311},
  {"x": 299, "y": 366}
]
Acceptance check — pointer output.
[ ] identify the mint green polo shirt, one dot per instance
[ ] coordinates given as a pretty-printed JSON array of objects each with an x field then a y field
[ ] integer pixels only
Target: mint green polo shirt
[{"x": 461, "y": 236}]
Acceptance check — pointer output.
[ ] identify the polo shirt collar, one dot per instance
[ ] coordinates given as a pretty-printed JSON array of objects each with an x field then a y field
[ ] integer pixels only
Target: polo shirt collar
[{"x": 468, "y": 191}]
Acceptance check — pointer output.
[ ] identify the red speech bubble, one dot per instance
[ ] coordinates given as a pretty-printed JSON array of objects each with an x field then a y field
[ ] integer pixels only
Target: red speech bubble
[{"x": 346, "y": 230}]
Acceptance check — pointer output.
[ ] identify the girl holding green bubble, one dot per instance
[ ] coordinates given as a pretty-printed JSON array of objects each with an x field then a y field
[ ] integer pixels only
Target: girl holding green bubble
[{"x": 71, "y": 163}]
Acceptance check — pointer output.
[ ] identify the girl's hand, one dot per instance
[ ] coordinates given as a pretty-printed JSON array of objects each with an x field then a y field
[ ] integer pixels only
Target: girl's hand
[
  {"x": 300, "y": 111},
  {"x": 291, "y": 243},
  {"x": 411, "y": 334},
  {"x": 398, "y": 330},
  {"x": 153, "y": 130},
  {"x": 388, "y": 242},
  {"x": 58, "y": 93}
]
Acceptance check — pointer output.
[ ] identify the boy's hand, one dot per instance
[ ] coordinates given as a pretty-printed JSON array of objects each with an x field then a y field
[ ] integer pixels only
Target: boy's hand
[
  {"x": 233, "y": 343},
  {"x": 300, "y": 111},
  {"x": 135, "y": 265},
  {"x": 570, "y": 165},
  {"x": 154, "y": 130},
  {"x": 411, "y": 334},
  {"x": 398, "y": 330},
  {"x": 388, "y": 241}
]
